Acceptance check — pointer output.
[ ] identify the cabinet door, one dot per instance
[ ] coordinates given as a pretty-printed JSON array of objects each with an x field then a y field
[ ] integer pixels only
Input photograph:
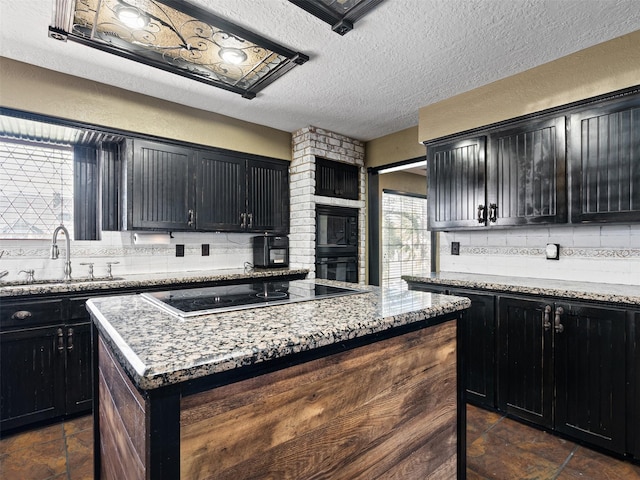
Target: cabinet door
[
  {"x": 633, "y": 394},
  {"x": 267, "y": 196},
  {"x": 605, "y": 171},
  {"x": 220, "y": 192},
  {"x": 457, "y": 184},
  {"x": 525, "y": 371},
  {"x": 526, "y": 174},
  {"x": 31, "y": 375},
  {"x": 479, "y": 331},
  {"x": 590, "y": 375},
  {"x": 79, "y": 373},
  {"x": 162, "y": 187},
  {"x": 337, "y": 179}
]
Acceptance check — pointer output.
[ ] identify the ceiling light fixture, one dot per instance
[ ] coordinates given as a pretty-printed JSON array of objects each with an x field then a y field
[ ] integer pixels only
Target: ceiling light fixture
[
  {"x": 233, "y": 55},
  {"x": 340, "y": 14},
  {"x": 130, "y": 16},
  {"x": 177, "y": 37}
]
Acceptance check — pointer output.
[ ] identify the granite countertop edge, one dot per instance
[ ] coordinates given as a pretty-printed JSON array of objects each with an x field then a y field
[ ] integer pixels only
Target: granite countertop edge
[
  {"x": 624, "y": 295},
  {"x": 142, "y": 280},
  {"x": 147, "y": 378}
]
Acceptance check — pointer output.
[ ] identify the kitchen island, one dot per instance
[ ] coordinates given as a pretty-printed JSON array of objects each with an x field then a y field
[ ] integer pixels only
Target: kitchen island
[{"x": 356, "y": 386}]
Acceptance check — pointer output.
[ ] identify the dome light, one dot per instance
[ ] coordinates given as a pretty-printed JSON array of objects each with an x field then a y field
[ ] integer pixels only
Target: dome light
[
  {"x": 131, "y": 17},
  {"x": 233, "y": 55}
]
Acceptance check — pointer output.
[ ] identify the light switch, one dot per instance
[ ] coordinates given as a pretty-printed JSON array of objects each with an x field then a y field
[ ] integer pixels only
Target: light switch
[{"x": 552, "y": 251}]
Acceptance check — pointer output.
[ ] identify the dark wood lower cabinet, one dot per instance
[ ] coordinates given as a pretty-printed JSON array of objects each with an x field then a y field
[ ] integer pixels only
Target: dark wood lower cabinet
[
  {"x": 525, "y": 387},
  {"x": 590, "y": 375},
  {"x": 45, "y": 372},
  {"x": 563, "y": 366},
  {"x": 571, "y": 367},
  {"x": 79, "y": 372},
  {"x": 479, "y": 339},
  {"x": 633, "y": 395},
  {"x": 479, "y": 327},
  {"x": 30, "y": 368}
]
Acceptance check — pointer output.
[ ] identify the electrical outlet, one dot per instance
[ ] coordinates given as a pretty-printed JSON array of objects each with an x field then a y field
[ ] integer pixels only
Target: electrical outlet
[
  {"x": 205, "y": 249},
  {"x": 552, "y": 251},
  {"x": 179, "y": 250},
  {"x": 455, "y": 248}
]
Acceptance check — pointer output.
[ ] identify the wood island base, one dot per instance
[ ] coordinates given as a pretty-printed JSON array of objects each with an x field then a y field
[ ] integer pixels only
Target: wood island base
[{"x": 386, "y": 408}]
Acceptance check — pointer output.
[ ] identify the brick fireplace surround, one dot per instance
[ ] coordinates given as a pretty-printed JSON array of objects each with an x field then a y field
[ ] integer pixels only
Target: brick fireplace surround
[{"x": 307, "y": 143}]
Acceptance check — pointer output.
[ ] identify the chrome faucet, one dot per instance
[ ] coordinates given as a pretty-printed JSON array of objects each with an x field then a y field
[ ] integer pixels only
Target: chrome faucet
[
  {"x": 30, "y": 274},
  {"x": 55, "y": 252},
  {"x": 3, "y": 273}
]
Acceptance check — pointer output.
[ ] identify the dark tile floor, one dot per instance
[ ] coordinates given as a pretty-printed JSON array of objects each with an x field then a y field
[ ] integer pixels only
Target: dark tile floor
[
  {"x": 63, "y": 451},
  {"x": 498, "y": 448}
]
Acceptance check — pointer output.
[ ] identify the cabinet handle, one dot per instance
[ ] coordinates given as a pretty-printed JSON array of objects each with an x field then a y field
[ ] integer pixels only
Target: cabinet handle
[
  {"x": 243, "y": 220},
  {"x": 250, "y": 220},
  {"x": 190, "y": 218},
  {"x": 546, "y": 323},
  {"x": 70, "y": 340},
  {"x": 21, "y": 315},
  {"x": 60, "y": 340},
  {"x": 493, "y": 212},
  {"x": 558, "y": 326},
  {"x": 481, "y": 214}
]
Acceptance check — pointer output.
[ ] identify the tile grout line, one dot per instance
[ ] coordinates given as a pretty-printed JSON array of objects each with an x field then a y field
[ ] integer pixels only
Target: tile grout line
[
  {"x": 66, "y": 451},
  {"x": 566, "y": 461}
]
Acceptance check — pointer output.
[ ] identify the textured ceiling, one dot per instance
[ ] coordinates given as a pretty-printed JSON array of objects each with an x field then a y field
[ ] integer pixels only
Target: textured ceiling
[{"x": 371, "y": 82}]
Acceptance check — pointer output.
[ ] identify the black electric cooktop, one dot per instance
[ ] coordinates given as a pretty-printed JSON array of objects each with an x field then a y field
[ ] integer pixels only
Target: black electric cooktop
[{"x": 190, "y": 302}]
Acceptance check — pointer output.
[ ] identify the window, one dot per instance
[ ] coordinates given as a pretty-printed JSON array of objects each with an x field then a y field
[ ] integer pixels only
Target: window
[
  {"x": 36, "y": 189},
  {"x": 406, "y": 242}
]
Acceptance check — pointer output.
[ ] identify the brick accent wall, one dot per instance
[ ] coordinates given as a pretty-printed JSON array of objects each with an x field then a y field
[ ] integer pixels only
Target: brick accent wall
[{"x": 307, "y": 143}]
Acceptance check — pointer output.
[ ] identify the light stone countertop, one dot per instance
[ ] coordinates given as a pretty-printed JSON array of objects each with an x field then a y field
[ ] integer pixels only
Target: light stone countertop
[
  {"x": 142, "y": 280},
  {"x": 159, "y": 349},
  {"x": 626, "y": 295}
]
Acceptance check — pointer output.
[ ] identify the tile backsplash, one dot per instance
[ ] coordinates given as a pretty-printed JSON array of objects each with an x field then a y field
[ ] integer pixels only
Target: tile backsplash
[
  {"x": 606, "y": 253},
  {"x": 226, "y": 250}
]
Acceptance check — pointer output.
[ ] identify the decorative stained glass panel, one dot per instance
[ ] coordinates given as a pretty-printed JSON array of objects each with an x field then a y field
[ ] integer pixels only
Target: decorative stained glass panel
[{"x": 36, "y": 189}]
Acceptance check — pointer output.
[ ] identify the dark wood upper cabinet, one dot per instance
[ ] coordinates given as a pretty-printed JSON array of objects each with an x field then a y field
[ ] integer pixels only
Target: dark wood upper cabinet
[
  {"x": 457, "y": 173},
  {"x": 161, "y": 193},
  {"x": 577, "y": 163},
  {"x": 179, "y": 188},
  {"x": 221, "y": 192},
  {"x": 526, "y": 173},
  {"x": 605, "y": 162},
  {"x": 267, "y": 196},
  {"x": 337, "y": 179}
]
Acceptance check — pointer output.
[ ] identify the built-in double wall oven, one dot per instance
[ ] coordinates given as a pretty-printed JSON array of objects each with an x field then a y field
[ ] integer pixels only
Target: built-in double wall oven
[{"x": 337, "y": 243}]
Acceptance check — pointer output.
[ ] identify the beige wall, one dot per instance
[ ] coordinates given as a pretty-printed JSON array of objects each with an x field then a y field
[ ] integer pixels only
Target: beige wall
[
  {"x": 594, "y": 71},
  {"x": 33, "y": 89},
  {"x": 403, "y": 182},
  {"x": 396, "y": 147}
]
